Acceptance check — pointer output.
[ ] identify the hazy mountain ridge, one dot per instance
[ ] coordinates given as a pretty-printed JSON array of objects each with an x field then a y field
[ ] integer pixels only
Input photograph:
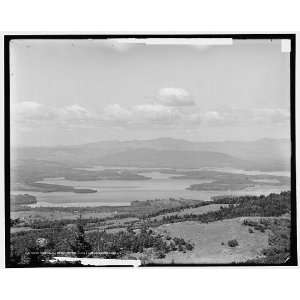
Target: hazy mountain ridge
[
  {"x": 264, "y": 154},
  {"x": 169, "y": 159}
]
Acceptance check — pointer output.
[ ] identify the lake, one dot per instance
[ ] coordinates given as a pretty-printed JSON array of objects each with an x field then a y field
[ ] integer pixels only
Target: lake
[{"x": 122, "y": 192}]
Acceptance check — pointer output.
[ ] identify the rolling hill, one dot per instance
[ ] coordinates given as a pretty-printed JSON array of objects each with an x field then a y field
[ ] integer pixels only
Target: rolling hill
[{"x": 264, "y": 154}]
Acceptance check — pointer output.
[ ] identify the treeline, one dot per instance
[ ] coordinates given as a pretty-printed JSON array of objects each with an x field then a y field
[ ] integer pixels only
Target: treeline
[
  {"x": 37, "y": 247},
  {"x": 174, "y": 209},
  {"x": 244, "y": 206},
  {"x": 264, "y": 206},
  {"x": 278, "y": 251},
  {"x": 44, "y": 224},
  {"x": 272, "y": 199},
  {"x": 136, "y": 241},
  {"x": 22, "y": 199}
]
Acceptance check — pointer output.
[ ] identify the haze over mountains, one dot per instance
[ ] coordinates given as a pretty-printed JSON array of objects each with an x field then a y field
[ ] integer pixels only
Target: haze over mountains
[{"x": 263, "y": 154}]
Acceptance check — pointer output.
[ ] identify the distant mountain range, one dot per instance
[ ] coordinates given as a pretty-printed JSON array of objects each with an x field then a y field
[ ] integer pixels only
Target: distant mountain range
[
  {"x": 170, "y": 159},
  {"x": 263, "y": 154}
]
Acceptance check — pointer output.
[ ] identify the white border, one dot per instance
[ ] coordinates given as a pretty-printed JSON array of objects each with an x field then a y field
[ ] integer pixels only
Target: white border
[{"x": 152, "y": 283}]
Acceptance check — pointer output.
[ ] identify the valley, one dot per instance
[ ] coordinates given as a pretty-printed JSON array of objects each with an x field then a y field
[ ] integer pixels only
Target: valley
[{"x": 164, "y": 202}]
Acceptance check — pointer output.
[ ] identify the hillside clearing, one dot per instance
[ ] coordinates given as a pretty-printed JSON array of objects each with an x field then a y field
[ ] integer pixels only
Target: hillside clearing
[{"x": 208, "y": 239}]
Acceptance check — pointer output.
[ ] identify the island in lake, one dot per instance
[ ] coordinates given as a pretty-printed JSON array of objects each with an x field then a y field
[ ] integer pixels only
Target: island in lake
[{"x": 206, "y": 214}]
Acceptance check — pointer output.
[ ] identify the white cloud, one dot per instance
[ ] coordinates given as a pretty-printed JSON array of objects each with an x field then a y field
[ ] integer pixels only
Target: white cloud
[
  {"x": 139, "y": 114},
  {"x": 222, "y": 118},
  {"x": 27, "y": 106},
  {"x": 115, "y": 112},
  {"x": 156, "y": 113},
  {"x": 245, "y": 116},
  {"x": 33, "y": 114},
  {"x": 29, "y": 115},
  {"x": 29, "y": 110},
  {"x": 74, "y": 112},
  {"x": 272, "y": 115},
  {"x": 174, "y": 97},
  {"x": 212, "y": 116}
]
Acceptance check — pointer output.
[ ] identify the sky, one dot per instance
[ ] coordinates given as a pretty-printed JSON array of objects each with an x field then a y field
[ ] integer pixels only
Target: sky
[{"x": 67, "y": 92}]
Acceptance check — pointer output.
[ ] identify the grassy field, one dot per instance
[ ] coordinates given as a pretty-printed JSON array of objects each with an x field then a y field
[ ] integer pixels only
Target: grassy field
[
  {"x": 245, "y": 229},
  {"x": 19, "y": 229},
  {"x": 116, "y": 224},
  {"x": 57, "y": 214},
  {"x": 210, "y": 242}
]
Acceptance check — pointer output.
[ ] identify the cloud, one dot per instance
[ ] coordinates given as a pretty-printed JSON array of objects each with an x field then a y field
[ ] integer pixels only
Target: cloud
[
  {"x": 34, "y": 111},
  {"x": 33, "y": 114},
  {"x": 29, "y": 115},
  {"x": 156, "y": 113},
  {"x": 236, "y": 117},
  {"x": 175, "y": 97},
  {"x": 115, "y": 112},
  {"x": 272, "y": 115},
  {"x": 74, "y": 112},
  {"x": 223, "y": 118},
  {"x": 139, "y": 114}
]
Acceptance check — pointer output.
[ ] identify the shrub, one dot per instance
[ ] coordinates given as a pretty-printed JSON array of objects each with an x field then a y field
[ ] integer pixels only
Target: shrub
[
  {"x": 233, "y": 243},
  {"x": 161, "y": 255},
  {"x": 189, "y": 247},
  {"x": 180, "y": 248}
]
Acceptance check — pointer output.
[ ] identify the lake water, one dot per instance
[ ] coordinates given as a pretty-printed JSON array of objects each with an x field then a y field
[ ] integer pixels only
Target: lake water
[
  {"x": 223, "y": 169},
  {"x": 122, "y": 192}
]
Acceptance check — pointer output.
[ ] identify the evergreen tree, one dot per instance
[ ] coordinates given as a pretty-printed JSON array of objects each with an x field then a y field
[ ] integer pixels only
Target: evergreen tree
[{"x": 81, "y": 247}]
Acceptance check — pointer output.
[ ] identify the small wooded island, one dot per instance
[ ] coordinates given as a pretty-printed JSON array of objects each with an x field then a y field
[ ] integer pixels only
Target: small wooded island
[
  {"x": 49, "y": 188},
  {"x": 23, "y": 199}
]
